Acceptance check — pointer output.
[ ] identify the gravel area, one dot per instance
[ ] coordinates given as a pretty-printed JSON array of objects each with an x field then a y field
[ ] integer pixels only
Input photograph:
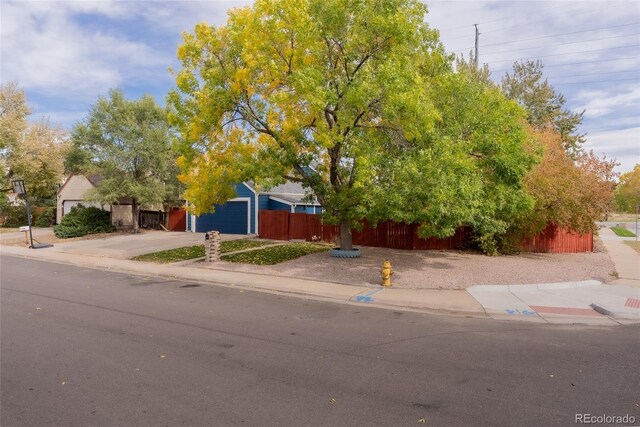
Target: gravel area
[{"x": 441, "y": 269}]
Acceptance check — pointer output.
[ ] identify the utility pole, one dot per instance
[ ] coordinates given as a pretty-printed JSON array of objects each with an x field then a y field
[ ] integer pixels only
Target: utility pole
[{"x": 477, "y": 40}]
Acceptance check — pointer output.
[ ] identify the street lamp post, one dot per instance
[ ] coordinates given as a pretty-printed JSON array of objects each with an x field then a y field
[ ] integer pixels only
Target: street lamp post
[
  {"x": 21, "y": 190},
  {"x": 637, "y": 211}
]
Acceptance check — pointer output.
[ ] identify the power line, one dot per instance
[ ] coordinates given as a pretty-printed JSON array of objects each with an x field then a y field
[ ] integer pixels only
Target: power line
[
  {"x": 597, "y": 81},
  {"x": 561, "y": 44},
  {"x": 564, "y": 34},
  {"x": 578, "y": 13},
  {"x": 577, "y": 63},
  {"x": 592, "y": 74},
  {"x": 567, "y": 53},
  {"x": 498, "y": 19}
]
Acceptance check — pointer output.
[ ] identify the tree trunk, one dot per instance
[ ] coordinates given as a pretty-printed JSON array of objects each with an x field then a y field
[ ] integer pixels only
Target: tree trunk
[
  {"x": 346, "y": 239},
  {"x": 135, "y": 212}
]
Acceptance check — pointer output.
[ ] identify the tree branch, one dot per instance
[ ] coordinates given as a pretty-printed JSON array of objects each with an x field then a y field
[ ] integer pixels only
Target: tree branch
[{"x": 293, "y": 178}]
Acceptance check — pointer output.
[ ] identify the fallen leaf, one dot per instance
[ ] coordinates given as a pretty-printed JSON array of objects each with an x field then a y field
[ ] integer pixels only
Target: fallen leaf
[
  {"x": 332, "y": 401},
  {"x": 422, "y": 420},
  {"x": 63, "y": 382},
  {"x": 162, "y": 356},
  {"x": 551, "y": 376},
  {"x": 38, "y": 308}
]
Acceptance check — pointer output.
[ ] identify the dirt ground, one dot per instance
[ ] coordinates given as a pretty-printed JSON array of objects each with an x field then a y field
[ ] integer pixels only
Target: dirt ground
[
  {"x": 442, "y": 269},
  {"x": 47, "y": 236}
]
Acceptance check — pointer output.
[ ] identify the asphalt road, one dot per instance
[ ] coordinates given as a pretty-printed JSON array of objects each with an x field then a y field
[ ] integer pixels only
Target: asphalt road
[{"x": 82, "y": 347}]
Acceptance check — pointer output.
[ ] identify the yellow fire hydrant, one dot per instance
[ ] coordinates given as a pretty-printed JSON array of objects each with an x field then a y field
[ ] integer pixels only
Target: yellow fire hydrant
[{"x": 386, "y": 273}]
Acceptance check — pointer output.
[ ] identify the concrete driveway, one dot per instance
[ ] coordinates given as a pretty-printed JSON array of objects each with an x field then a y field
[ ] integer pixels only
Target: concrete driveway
[{"x": 131, "y": 245}]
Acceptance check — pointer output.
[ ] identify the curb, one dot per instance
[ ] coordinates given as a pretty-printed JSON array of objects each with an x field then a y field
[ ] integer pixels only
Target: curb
[
  {"x": 351, "y": 299},
  {"x": 600, "y": 308}
]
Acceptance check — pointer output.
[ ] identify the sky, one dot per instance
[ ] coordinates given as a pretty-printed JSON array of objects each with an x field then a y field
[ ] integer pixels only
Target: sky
[{"x": 65, "y": 54}]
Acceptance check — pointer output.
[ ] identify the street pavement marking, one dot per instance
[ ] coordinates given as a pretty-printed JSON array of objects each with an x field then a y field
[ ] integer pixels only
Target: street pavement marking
[
  {"x": 367, "y": 297},
  {"x": 632, "y": 302}
]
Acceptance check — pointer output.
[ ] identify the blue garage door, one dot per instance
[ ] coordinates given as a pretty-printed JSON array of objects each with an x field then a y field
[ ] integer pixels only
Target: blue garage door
[{"x": 229, "y": 218}]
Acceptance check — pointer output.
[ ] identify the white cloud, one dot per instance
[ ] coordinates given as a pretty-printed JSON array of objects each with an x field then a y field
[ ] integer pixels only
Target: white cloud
[
  {"x": 46, "y": 49},
  {"x": 602, "y": 103},
  {"x": 623, "y": 145}
]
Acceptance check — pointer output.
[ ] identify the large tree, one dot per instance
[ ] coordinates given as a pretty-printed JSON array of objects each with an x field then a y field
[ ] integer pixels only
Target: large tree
[
  {"x": 468, "y": 170},
  {"x": 13, "y": 114},
  {"x": 38, "y": 159},
  {"x": 311, "y": 91},
  {"x": 571, "y": 193},
  {"x": 545, "y": 107},
  {"x": 31, "y": 151},
  {"x": 128, "y": 143},
  {"x": 627, "y": 193}
]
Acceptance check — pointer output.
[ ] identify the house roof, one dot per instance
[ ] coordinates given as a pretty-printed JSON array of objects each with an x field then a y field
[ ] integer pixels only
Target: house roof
[
  {"x": 289, "y": 187},
  {"x": 95, "y": 179},
  {"x": 294, "y": 199}
]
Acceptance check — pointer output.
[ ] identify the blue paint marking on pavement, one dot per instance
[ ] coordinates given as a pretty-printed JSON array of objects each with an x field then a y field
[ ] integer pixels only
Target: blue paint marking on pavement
[
  {"x": 523, "y": 312},
  {"x": 367, "y": 297}
]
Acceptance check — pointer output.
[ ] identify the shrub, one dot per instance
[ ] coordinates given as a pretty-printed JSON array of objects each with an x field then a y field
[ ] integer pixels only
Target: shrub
[
  {"x": 15, "y": 216},
  {"x": 46, "y": 218},
  {"x": 82, "y": 221}
]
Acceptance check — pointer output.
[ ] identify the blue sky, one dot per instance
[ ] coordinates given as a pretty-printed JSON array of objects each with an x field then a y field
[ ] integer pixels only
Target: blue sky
[{"x": 67, "y": 53}]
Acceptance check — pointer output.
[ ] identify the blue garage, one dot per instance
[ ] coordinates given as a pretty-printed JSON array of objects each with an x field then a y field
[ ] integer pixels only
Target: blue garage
[
  {"x": 230, "y": 218},
  {"x": 237, "y": 216},
  {"x": 240, "y": 214}
]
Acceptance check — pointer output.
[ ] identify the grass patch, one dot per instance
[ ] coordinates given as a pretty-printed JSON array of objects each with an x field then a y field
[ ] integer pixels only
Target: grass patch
[
  {"x": 276, "y": 254},
  {"x": 173, "y": 255},
  {"x": 197, "y": 251},
  {"x": 9, "y": 230},
  {"x": 634, "y": 245},
  {"x": 622, "y": 232},
  {"x": 238, "y": 245}
]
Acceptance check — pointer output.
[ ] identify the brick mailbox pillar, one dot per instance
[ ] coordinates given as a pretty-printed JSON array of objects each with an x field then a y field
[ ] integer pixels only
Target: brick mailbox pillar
[{"x": 212, "y": 246}]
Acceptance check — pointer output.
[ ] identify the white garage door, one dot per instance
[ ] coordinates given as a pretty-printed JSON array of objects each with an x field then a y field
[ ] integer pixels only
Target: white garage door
[{"x": 68, "y": 204}]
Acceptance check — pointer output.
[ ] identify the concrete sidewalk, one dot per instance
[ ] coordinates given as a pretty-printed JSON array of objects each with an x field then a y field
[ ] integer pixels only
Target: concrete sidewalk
[
  {"x": 588, "y": 302},
  {"x": 625, "y": 258}
]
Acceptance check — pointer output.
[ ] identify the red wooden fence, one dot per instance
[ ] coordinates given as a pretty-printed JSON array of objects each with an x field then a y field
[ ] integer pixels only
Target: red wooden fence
[
  {"x": 177, "y": 219},
  {"x": 557, "y": 240},
  {"x": 283, "y": 225}
]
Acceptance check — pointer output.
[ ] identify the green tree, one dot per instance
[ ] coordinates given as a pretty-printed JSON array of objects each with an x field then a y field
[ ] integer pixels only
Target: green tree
[
  {"x": 627, "y": 193},
  {"x": 312, "y": 91},
  {"x": 468, "y": 170},
  {"x": 128, "y": 143},
  {"x": 38, "y": 159},
  {"x": 31, "y": 151},
  {"x": 545, "y": 107},
  {"x": 13, "y": 114}
]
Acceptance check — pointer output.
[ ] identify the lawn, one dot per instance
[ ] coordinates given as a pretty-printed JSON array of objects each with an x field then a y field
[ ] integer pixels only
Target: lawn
[
  {"x": 197, "y": 251},
  {"x": 635, "y": 245},
  {"x": 622, "y": 232},
  {"x": 276, "y": 254}
]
